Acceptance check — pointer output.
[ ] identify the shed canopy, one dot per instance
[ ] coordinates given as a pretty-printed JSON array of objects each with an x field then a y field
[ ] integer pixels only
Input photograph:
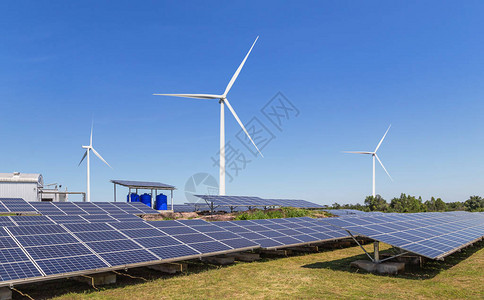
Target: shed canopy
[{"x": 144, "y": 184}]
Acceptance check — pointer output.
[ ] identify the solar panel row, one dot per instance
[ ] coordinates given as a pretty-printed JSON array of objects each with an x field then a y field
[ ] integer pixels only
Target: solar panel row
[
  {"x": 17, "y": 205},
  {"x": 256, "y": 201},
  {"x": 35, "y": 252},
  {"x": 280, "y": 233},
  {"x": 432, "y": 235},
  {"x": 63, "y": 219}
]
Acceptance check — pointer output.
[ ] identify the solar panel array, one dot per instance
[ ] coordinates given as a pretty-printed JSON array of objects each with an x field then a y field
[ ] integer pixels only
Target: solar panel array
[
  {"x": 344, "y": 212},
  {"x": 432, "y": 235},
  {"x": 14, "y": 205},
  {"x": 281, "y": 233},
  {"x": 42, "y": 251},
  {"x": 256, "y": 201},
  {"x": 91, "y": 208}
]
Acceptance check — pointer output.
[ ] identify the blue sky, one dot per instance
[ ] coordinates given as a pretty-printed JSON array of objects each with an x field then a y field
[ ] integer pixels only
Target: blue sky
[{"x": 350, "y": 68}]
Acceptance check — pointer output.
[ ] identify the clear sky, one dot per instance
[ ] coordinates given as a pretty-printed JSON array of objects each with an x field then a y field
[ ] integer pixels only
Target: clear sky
[{"x": 349, "y": 68}]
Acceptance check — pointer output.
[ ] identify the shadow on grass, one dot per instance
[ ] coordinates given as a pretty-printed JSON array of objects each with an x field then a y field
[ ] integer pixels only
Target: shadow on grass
[
  {"x": 429, "y": 269},
  {"x": 64, "y": 287}
]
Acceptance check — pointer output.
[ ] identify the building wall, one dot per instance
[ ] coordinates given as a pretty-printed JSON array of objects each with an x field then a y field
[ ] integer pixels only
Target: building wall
[{"x": 24, "y": 190}]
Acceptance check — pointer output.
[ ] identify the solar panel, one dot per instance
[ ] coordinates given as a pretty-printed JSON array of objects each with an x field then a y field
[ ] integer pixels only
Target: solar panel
[
  {"x": 433, "y": 235},
  {"x": 128, "y": 257},
  {"x": 279, "y": 233},
  {"x": 71, "y": 264},
  {"x": 46, "y": 250},
  {"x": 18, "y": 270},
  {"x": 248, "y": 201}
]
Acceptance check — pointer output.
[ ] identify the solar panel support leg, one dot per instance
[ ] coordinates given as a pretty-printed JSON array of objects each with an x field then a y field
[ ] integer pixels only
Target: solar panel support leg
[
  {"x": 353, "y": 237},
  {"x": 376, "y": 251}
]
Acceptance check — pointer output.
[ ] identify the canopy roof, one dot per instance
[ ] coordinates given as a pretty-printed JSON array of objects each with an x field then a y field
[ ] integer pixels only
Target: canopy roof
[{"x": 144, "y": 184}]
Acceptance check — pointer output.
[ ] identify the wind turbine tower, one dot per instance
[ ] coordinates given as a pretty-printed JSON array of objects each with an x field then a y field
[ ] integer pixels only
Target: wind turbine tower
[
  {"x": 223, "y": 101},
  {"x": 374, "y": 156},
  {"x": 86, "y": 154}
]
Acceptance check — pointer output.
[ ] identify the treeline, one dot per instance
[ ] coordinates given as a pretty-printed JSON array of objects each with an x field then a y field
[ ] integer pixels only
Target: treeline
[{"x": 411, "y": 204}]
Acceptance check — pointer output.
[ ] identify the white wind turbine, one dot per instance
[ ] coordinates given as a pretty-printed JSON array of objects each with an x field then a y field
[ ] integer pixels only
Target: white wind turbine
[
  {"x": 86, "y": 154},
  {"x": 223, "y": 101},
  {"x": 374, "y": 155}
]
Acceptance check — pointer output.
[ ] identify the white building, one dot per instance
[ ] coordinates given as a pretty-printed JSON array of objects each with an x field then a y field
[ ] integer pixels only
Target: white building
[{"x": 21, "y": 185}]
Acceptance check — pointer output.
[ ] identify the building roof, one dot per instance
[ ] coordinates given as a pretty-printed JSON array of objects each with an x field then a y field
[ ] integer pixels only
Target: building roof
[
  {"x": 22, "y": 177},
  {"x": 144, "y": 184}
]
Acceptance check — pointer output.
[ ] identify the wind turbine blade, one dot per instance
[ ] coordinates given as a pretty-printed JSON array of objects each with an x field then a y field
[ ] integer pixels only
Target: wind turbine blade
[
  {"x": 100, "y": 157},
  {"x": 229, "y": 86},
  {"x": 358, "y": 152},
  {"x": 194, "y": 96},
  {"x": 383, "y": 166},
  {"x": 241, "y": 125},
  {"x": 84, "y": 156},
  {"x": 382, "y": 138},
  {"x": 90, "y": 140}
]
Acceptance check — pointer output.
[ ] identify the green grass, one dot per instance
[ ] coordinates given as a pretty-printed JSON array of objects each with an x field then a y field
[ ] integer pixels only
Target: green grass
[
  {"x": 284, "y": 212},
  {"x": 312, "y": 276}
]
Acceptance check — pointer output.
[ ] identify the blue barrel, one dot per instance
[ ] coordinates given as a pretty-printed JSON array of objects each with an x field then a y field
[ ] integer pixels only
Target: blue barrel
[
  {"x": 161, "y": 202},
  {"x": 134, "y": 197},
  {"x": 146, "y": 199}
]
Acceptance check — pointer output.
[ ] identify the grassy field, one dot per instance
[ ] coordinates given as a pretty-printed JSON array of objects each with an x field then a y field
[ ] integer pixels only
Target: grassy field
[{"x": 311, "y": 276}]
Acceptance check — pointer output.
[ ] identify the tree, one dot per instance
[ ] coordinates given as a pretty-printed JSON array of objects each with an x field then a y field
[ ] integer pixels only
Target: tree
[
  {"x": 376, "y": 203},
  {"x": 407, "y": 204},
  {"x": 474, "y": 203},
  {"x": 440, "y": 205}
]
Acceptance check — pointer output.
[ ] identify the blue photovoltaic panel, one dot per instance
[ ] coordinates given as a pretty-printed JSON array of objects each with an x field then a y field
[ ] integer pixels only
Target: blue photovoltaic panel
[
  {"x": 208, "y": 247},
  {"x": 128, "y": 257},
  {"x": 151, "y": 242},
  {"x": 7, "y": 242},
  {"x": 112, "y": 246},
  {"x": 57, "y": 249},
  {"x": 224, "y": 235},
  {"x": 33, "y": 230},
  {"x": 99, "y": 218},
  {"x": 170, "y": 223},
  {"x": 193, "y": 222},
  {"x": 44, "y": 252},
  {"x": 279, "y": 233},
  {"x": 18, "y": 270},
  {"x": 70, "y": 264},
  {"x": 240, "y": 243},
  {"x": 433, "y": 235},
  {"x": 132, "y": 225},
  {"x": 141, "y": 233},
  {"x": 192, "y": 238},
  {"x": 177, "y": 230},
  {"x": 67, "y": 219},
  {"x": 143, "y": 208},
  {"x": 94, "y": 236},
  {"x": 12, "y": 255},
  {"x": 88, "y": 227},
  {"x": 249, "y": 201},
  {"x": 46, "y": 239},
  {"x": 174, "y": 251}
]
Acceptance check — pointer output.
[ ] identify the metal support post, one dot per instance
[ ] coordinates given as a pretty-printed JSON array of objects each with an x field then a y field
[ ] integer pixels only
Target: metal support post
[{"x": 376, "y": 251}]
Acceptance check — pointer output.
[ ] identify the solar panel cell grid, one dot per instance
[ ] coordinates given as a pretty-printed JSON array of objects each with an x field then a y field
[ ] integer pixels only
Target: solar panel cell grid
[
  {"x": 428, "y": 234},
  {"x": 100, "y": 236},
  {"x": 70, "y": 264},
  {"x": 128, "y": 257}
]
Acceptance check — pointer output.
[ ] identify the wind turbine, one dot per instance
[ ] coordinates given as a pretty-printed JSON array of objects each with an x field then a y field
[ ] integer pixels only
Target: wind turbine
[
  {"x": 86, "y": 154},
  {"x": 223, "y": 101},
  {"x": 374, "y": 155}
]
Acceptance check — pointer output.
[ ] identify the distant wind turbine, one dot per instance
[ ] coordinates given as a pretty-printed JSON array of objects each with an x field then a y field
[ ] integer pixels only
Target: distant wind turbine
[
  {"x": 373, "y": 154},
  {"x": 86, "y": 154},
  {"x": 223, "y": 100}
]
